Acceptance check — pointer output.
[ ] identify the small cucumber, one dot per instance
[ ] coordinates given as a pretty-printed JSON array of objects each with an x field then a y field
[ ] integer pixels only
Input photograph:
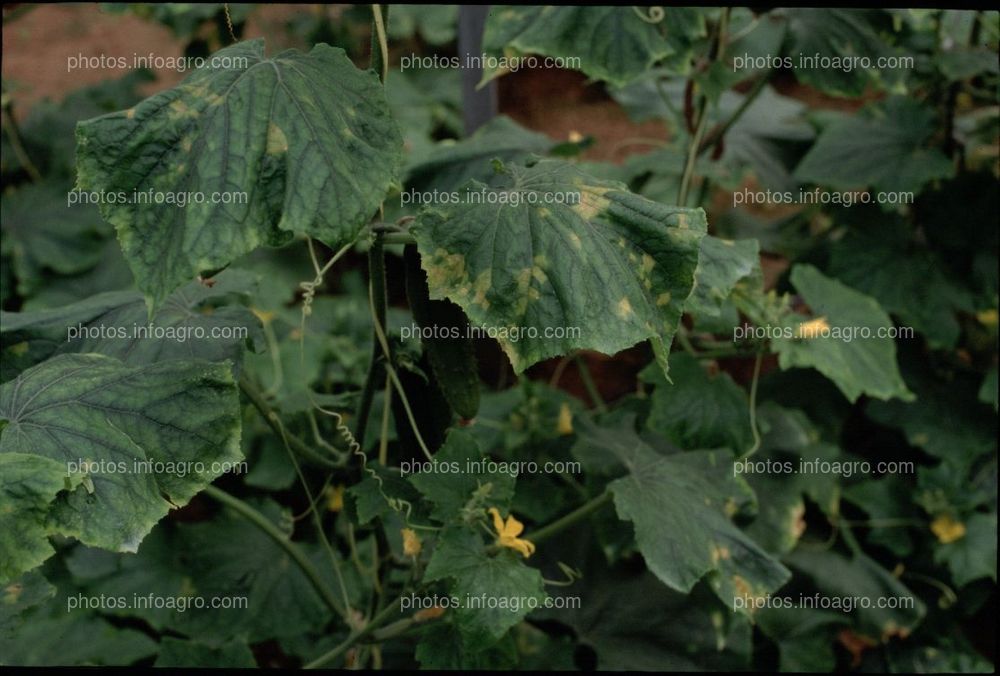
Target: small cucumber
[{"x": 445, "y": 336}]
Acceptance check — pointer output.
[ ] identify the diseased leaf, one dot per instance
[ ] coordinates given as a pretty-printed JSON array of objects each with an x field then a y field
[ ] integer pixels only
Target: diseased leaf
[
  {"x": 115, "y": 324},
  {"x": 722, "y": 264},
  {"x": 681, "y": 505},
  {"x": 19, "y": 596},
  {"x": 891, "y": 609},
  {"x": 28, "y": 487},
  {"x": 146, "y": 437},
  {"x": 294, "y": 143},
  {"x": 612, "y": 43},
  {"x": 604, "y": 273},
  {"x": 857, "y": 364}
]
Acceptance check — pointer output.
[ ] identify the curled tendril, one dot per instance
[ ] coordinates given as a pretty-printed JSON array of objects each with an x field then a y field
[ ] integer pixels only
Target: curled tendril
[
  {"x": 354, "y": 447},
  {"x": 656, "y": 14}
]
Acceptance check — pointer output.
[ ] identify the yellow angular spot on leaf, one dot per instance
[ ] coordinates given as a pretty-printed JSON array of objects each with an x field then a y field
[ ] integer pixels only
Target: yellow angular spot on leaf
[
  {"x": 507, "y": 533},
  {"x": 19, "y": 349},
  {"x": 565, "y": 424},
  {"x": 663, "y": 299},
  {"x": 445, "y": 270},
  {"x": 947, "y": 529},
  {"x": 592, "y": 202},
  {"x": 574, "y": 240},
  {"x": 647, "y": 264},
  {"x": 180, "y": 109},
  {"x": 277, "y": 144},
  {"x": 335, "y": 498},
  {"x": 130, "y": 113},
  {"x": 411, "y": 542},
  {"x": 812, "y": 328},
  {"x": 720, "y": 553},
  {"x": 482, "y": 286},
  {"x": 624, "y": 308}
]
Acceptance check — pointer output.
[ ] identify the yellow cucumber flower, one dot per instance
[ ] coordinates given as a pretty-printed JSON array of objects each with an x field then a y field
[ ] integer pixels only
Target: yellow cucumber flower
[
  {"x": 411, "y": 543},
  {"x": 507, "y": 533}
]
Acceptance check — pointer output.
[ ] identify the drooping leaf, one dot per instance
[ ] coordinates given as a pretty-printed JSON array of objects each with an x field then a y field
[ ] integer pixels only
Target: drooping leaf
[
  {"x": 698, "y": 410},
  {"x": 147, "y": 438},
  {"x": 633, "y": 623},
  {"x": 294, "y": 143},
  {"x": 722, "y": 264},
  {"x": 115, "y": 324},
  {"x": 448, "y": 165},
  {"x": 680, "y": 506},
  {"x": 607, "y": 272},
  {"x": 891, "y": 610},
  {"x": 28, "y": 487},
  {"x": 908, "y": 281},
  {"x": 882, "y": 147},
  {"x": 612, "y": 43},
  {"x": 42, "y": 233},
  {"x": 836, "y": 33},
  {"x": 857, "y": 364}
]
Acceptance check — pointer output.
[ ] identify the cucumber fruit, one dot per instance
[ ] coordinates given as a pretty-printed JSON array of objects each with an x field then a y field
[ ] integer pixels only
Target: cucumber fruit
[{"x": 446, "y": 340}]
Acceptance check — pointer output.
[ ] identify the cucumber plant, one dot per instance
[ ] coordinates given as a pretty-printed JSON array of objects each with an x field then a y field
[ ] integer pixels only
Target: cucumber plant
[{"x": 204, "y": 403}]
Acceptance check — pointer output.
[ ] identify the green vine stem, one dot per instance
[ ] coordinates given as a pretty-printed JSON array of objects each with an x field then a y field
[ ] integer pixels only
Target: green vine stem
[
  {"x": 301, "y": 448},
  {"x": 695, "y": 147},
  {"x": 564, "y": 522},
  {"x": 376, "y": 274},
  {"x": 377, "y": 621},
  {"x": 589, "y": 385},
  {"x": 376, "y": 253},
  {"x": 265, "y": 525}
]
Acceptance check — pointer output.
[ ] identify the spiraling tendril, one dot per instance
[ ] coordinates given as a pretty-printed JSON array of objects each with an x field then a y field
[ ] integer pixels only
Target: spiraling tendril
[{"x": 656, "y": 14}]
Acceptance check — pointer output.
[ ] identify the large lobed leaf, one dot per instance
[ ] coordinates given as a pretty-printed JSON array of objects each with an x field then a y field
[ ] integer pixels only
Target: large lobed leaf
[
  {"x": 94, "y": 409},
  {"x": 612, "y": 43},
  {"x": 308, "y": 138},
  {"x": 681, "y": 505},
  {"x": 564, "y": 253}
]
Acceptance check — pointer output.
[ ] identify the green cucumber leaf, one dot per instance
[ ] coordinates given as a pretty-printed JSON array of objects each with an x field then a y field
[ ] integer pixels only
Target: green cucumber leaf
[
  {"x": 614, "y": 44},
  {"x": 511, "y": 587},
  {"x": 604, "y": 273},
  {"x": 93, "y": 410},
  {"x": 308, "y": 138},
  {"x": 858, "y": 365}
]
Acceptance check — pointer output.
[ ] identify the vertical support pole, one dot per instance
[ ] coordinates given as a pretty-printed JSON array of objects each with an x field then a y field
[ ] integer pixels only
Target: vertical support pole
[{"x": 478, "y": 106}]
